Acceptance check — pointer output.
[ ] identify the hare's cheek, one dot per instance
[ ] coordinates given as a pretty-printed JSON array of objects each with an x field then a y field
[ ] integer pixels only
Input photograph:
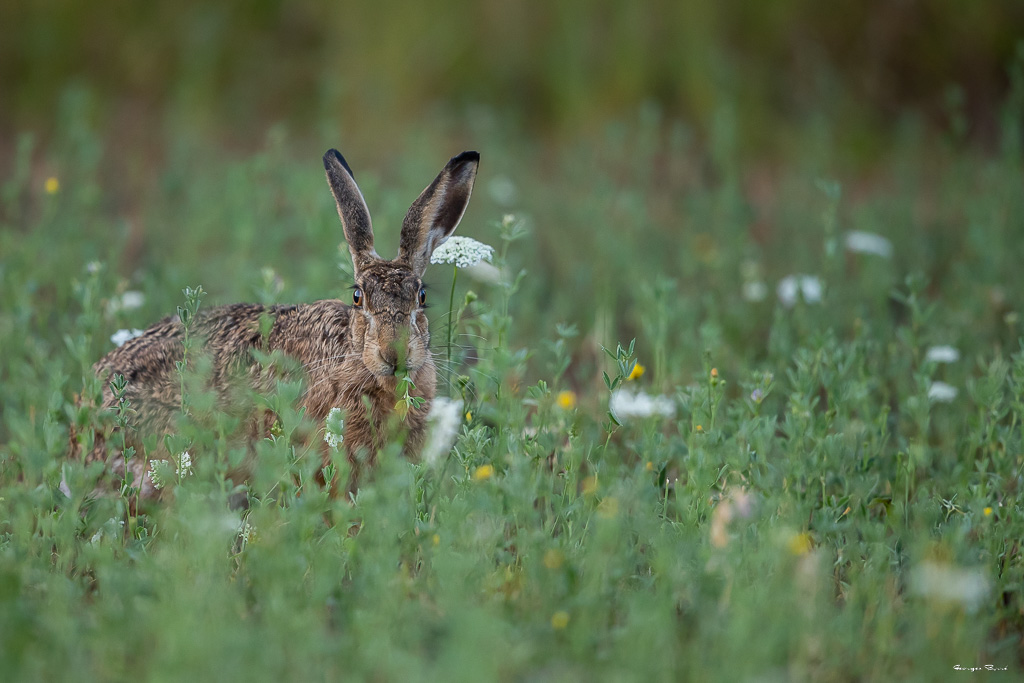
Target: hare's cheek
[
  {"x": 420, "y": 326},
  {"x": 361, "y": 329}
]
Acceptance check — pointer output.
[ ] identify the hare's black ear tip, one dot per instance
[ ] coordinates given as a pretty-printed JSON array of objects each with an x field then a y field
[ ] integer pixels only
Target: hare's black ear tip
[
  {"x": 332, "y": 157},
  {"x": 465, "y": 158}
]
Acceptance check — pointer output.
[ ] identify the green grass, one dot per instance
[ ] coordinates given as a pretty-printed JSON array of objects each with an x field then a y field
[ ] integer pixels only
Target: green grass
[{"x": 808, "y": 531}]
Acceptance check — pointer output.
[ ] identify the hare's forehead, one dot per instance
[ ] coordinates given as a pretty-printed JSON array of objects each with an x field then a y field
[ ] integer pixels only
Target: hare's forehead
[{"x": 391, "y": 282}]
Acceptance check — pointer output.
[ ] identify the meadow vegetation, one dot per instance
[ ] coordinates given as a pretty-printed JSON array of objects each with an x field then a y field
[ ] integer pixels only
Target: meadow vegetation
[{"x": 723, "y": 418}]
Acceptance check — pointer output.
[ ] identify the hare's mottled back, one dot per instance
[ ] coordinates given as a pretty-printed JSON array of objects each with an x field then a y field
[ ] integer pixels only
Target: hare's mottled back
[{"x": 348, "y": 355}]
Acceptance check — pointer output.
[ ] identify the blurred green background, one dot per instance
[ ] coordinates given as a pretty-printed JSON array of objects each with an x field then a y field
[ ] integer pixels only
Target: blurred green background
[{"x": 227, "y": 70}]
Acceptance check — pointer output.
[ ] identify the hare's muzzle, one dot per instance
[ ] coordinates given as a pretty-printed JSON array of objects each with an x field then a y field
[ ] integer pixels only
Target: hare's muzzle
[{"x": 394, "y": 352}]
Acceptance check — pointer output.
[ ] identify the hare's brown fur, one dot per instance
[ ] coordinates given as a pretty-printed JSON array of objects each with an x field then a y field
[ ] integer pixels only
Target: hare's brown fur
[{"x": 349, "y": 355}]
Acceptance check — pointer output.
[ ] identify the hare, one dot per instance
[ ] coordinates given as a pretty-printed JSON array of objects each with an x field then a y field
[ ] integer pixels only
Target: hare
[{"x": 349, "y": 353}]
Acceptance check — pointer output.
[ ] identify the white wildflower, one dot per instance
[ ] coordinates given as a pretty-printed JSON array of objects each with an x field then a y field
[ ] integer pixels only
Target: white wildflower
[
  {"x": 246, "y": 531},
  {"x": 93, "y": 267},
  {"x": 160, "y": 473},
  {"x": 755, "y": 290},
  {"x": 128, "y": 301},
  {"x": 184, "y": 465},
  {"x": 862, "y": 242},
  {"x": 121, "y": 336},
  {"x": 940, "y": 392},
  {"x": 807, "y": 286},
  {"x": 131, "y": 300},
  {"x": 462, "y": 251},
  {"x": 165, "y": 472},
  {"x": 951, "y": 584},
  {"x": 334, "y": 429},
  {"x": 625, "y": 404},
  {"x": 942, "y": 354},
  {"x": 444, "y": 418}
]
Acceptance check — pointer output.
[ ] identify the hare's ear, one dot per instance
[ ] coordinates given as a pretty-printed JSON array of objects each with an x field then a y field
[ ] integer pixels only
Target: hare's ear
[
  {"x": 355, "y": 217},
  {"x": 437, "y": 211}
]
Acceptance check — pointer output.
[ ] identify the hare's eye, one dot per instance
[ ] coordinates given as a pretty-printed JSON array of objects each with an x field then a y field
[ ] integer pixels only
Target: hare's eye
[
  {"x": 423, "y": 296},
  {"x": 357, "y": 297}
]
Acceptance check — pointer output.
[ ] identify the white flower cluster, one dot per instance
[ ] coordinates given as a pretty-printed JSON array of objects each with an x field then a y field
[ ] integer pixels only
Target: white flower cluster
[
  {"x": 444, "y": 418},
  {"x": 807, "y": 286},
  {"x": 462, "y": 251},
  {"x": 950, "y": 584},
  {"x": 159, "y": 473},
  {"x": 861, "y": 242},
  {"x": 942, "y": 354},
  {"x": 755, "y": 290},
  {"x": 128, "y": 301},
  {"x": 334, "y": 428},
  {"x": 121, "y": 336},
  {"x": 184, "y": 464},
  {"x": 625, "y": 404},
  {"x": 164, "y": 472},
  {"x": 940, "y": 392}
]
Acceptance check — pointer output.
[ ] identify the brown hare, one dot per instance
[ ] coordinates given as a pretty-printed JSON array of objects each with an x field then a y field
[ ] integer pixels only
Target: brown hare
[{"x": 349, "y": 353}]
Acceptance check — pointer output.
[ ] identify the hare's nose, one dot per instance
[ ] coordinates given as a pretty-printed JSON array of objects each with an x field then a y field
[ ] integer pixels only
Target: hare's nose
[{"x": 389, "y": 355}]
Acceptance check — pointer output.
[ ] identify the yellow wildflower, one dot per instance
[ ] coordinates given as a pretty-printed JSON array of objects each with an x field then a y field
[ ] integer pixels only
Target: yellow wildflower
[
  {"x": 483, "y": 472},
  {"x": 988, "y": 512},
  {"x": 553, "y": 559},
  {"x": 637, "y": 373},
  {"x": 469, "y": 416},
  {"x": 699, "y": 428},
  {"x": 436, "y": 539},
  {"x": 649, "y": 466},
  {"x": 801, "y": 544},
  {"x": 714, "y": 372},
  {"x": 566, "y": 400},
  {"x": 589, "y": 486},
  {"x": 559, "y": 620},
  {"x": 52, "y": 185}
]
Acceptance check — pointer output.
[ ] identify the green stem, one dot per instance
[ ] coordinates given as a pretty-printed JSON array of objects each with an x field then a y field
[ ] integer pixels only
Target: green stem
[{"x": 451, "y": 314}]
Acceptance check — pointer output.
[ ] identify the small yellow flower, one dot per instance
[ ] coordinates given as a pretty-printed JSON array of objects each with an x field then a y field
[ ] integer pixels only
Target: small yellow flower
[
  {"x": 649, "y": 466},
  {"x": 988, "y": 512},
  {"x": 714, "y": 372},
  {"x": 699, "y": 428},
  {"x": 483, "y": 472},
  {"x": 436, "y": 539},
  {"x": 637, "y": 373},
  {"x": 553, "y": 559},
  {"x": 559, "y": 620},
  {"x": 52, "y": 185},
  {"x": 801, "y": 544},
  {"x": 566, "y": 400},
  {"x": 589, "y": 486},
  {"x": 469, "y": 416}
]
